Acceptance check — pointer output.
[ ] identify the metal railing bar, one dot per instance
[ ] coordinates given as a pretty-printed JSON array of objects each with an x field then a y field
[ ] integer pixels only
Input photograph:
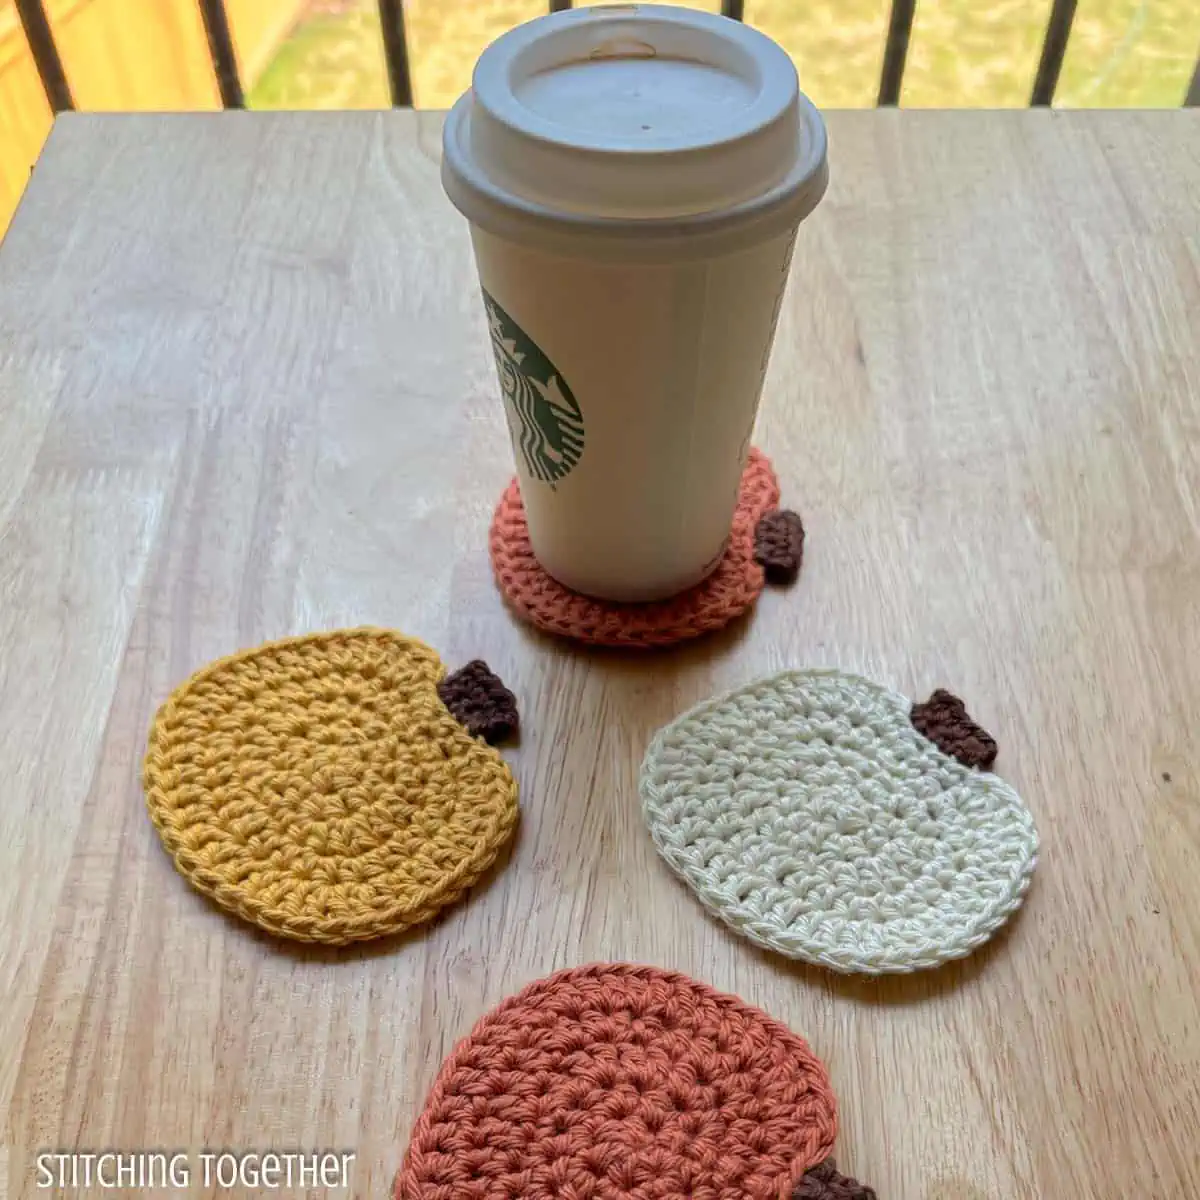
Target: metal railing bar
[
  {"x": 395, "y": 50},
  {"x": 1192, "y": 99},
  {"x": 1054, "y": 50},
  {"x": 40, "y": 37},
  {"x": 734, "y": 9},
  {"x": 895, "y": 53},
  {"x": 220, "y": 50}
]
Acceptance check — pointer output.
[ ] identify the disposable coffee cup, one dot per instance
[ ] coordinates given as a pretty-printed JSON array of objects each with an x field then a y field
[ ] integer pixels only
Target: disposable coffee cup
[{"x": 634, "y": 178}]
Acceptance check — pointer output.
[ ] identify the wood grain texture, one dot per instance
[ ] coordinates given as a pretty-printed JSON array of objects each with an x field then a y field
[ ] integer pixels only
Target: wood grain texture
[{"x": 245, "y": 391}]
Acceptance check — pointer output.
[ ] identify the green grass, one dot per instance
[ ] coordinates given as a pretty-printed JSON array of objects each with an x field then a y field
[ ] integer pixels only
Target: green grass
[
  {"x": 1122, "y": 53},
  {"x": 963, "y": 53},
  {"x": 330, "y": 60}
]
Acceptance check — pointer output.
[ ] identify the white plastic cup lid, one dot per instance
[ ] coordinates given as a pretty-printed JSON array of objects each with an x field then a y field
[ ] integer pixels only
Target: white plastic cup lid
[{"x": 635, "y": 121}]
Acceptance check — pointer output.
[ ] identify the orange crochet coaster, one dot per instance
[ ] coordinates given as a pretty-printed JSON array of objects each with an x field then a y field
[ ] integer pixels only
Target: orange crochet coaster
[
  {"x": 765, "y": 543},
  {"x": 615, "y": 1080}
]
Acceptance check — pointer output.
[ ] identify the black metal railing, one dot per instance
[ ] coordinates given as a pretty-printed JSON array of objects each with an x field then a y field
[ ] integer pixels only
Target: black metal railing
[
  {"x": 40, "y": 36},
  {"x": 220, "y": 50},
  {"x": 895, "y": 52},
  {"x": 395, "y": 50},
  {"x": 1054, "y": 50}
]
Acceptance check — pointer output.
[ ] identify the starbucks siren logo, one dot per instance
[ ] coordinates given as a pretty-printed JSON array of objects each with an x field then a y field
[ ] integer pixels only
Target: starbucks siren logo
[{"x": 543, "y": 416}]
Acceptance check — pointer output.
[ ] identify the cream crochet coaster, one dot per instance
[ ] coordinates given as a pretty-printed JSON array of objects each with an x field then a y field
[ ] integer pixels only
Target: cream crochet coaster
[{"x": 808, "y": 813}]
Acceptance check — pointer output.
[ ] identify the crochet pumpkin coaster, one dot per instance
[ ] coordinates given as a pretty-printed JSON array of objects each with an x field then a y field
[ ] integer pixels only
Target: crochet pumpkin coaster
[
  {"x": 617, "y": 1080},
  {"x": 324, "y": 788},
  {"x": 764, "y": 543},
  {"x": 808, "y": 813}
]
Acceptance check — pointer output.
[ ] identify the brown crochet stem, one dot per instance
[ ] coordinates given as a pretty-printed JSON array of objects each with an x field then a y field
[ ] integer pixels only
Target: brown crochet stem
[
  {"x": 480, "y": 702},
  {"x": 826, "y": 1182},
  {"x": 779, "y": 545},
  {"x": 944, "y": 721}
]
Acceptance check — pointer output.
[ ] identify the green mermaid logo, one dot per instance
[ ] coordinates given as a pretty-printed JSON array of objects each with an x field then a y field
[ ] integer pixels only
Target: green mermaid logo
[{"x": 544, "y": 420}]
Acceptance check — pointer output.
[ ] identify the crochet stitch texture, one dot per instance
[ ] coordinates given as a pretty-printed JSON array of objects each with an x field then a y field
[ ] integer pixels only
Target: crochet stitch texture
[
  {"x": 618, "y": 1080},
  {"x": 319, "y": 788},
  {"x": 712, "y": 604},
  {"x": 808, "y": 814}
]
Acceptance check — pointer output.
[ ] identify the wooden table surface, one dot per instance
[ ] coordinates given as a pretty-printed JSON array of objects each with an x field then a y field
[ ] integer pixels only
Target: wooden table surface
[{"x": 245, "y": 391}]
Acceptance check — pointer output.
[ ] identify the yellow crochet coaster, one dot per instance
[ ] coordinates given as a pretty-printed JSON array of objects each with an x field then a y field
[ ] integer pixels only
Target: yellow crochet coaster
[{"x": 321, "y": 788}]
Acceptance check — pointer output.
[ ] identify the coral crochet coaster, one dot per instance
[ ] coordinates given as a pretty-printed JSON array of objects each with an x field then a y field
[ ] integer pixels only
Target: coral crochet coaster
[
  {"x": 617, "y": 1080},
  {"x": 763, "y": 542},
  {"x": 321, "y": 787},
  {"x": 809, "y": 814}
]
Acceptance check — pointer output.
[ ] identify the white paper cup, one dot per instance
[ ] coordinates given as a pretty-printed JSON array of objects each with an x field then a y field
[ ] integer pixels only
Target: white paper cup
[{"x": 634, "y": 178}]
